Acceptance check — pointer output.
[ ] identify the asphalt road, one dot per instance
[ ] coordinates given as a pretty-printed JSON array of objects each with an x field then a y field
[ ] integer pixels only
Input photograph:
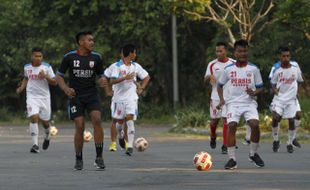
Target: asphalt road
[{"x": 166, "y": 164}]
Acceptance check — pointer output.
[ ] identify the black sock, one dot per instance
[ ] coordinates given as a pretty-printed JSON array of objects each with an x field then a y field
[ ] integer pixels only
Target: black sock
[
  {"x": 99, "y": 149},
  {"x": 79, "y": 155}
]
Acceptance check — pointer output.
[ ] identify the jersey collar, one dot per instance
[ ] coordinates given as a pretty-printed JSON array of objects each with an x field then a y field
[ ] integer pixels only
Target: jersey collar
[
  {"x": 285, "y": 66},
  {"x": 238, "y": 64}
]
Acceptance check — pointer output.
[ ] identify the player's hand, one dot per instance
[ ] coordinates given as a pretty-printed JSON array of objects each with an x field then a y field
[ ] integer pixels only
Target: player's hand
[
  {"x": 19, "y": 90},
  {"x": 70, "y": 92},
  {"x": 42, "y": 74},
  {"x": 250, "y": 92},
  {"x": 110, "y": 93},
  {"x": 129, "y": 76},
  {"x": 220, "y": 105},
  {"x": 212, "y": 80},
  {"x": 139, "y": 91}
]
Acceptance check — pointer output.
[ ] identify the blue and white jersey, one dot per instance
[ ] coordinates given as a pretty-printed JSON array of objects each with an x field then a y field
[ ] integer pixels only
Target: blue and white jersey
[
  {"x": 37, "y": 87},
  {"x": 277, "y": 65},
  {"x": 286, "y": 80},
  {"x": 127, "y": 89},
  {"x": 237, "y": 79}
]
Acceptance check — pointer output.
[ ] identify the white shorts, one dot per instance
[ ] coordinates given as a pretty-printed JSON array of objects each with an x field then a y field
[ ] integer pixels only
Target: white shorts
[
  {"x": 287, "y": 110},
  {"x": 39, "y": 106},
  {"x": 298, "y": 108},
  {"x": 236, "y": 111},
  {"x": 119, "y": 110},
  {"x": 215, "y": 113}
]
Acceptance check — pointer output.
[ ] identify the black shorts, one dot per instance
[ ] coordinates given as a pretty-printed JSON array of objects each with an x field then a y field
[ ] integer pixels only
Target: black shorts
[{"x": 79, "y": 104}]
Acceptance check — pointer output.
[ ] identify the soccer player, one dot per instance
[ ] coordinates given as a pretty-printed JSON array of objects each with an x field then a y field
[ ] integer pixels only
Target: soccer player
[
  {"x": 84, "y": 67},
  {"x": 38, "y": 75},
  {"x": 126, "y": 91},
  {"x": 285, "y": 79},
  {"x": 244, "y": 82},
  {"x": 116, "y": 127},
  {"x": 214, "y": 71}
]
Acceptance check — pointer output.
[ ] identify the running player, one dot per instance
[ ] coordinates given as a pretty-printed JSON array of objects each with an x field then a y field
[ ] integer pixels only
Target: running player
[
  {"x": 84, "y": 66},
  {"x": 244, "y": 82},
  {"x": 38, "y": 75},
  {"x": 125, "y": 98},
  {"x": 214, "y": 71},
  {"x": 284, "y": 82}
]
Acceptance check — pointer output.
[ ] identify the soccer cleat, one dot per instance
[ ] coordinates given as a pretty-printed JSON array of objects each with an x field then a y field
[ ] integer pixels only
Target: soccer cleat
[
  {"x": 296, "y": 143},
  {"x": 257, "y": 160},
  {"x": 113, "y": 147},
  {"x": 213, "y": 142},
  {"x": 224, "y": 149},
  {"x": 45, "y": 144},
  {"x": 34, "y": 149},
  {"x": 290, "y": 148},
  {"x": 99, "y": 163},
  {"x": 122, "y": 143},
  {"x": 78, "y": 164},
  {"x": 246, "y": 142},
  {"x": 129, "y": 151},
  {"x": 231, "y": 164},
  {"x": 276, "y": 146}
]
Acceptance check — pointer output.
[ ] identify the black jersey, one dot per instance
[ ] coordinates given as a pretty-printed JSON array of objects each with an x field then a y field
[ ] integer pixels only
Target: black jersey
[{"x": 82, "y": 71}]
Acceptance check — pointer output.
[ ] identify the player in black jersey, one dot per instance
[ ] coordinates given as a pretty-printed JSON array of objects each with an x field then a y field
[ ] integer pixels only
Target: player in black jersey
[{"x": 84, "y": 67}]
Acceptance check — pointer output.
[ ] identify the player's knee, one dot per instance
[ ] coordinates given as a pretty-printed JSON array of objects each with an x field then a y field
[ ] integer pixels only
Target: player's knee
[
  {"x": 34, "y": 119},
  {"x": 298, "y": 115}
]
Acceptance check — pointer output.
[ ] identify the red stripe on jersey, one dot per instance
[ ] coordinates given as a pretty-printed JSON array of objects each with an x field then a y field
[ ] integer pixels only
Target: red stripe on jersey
[{"x": 211, "y": 68}]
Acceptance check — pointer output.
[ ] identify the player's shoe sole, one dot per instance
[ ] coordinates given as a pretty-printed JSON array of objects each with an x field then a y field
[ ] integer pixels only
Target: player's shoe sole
[{"x": 34, "y": 149}]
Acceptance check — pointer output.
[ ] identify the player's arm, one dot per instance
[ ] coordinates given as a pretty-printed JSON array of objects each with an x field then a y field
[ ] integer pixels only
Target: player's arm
[
  {"x": 50, "y": 80},
  {"x": 129, "y": 76},
  {"x": 70, "y": 92},
  {"x": 143, "y": 85},
  {"x": 222, "y": 81},
  {"x": 209, "y": 77},
  {"x": 273, "y": 82},
  {"x": 21, "y": 87},
  {"x": 258, "y": 84},
  {"x": 104, "y": 83}
]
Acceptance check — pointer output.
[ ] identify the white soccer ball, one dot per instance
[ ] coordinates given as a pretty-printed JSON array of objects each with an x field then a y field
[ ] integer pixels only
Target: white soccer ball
[
  {"x": 87, "y": 136},
  {"x": 141, "y": 144},
  {"x": 53, "y": 130},
  {"x": 202, "y": 161}
]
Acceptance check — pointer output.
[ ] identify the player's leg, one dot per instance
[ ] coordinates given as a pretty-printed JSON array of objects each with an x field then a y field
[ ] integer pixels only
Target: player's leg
[
  {"x": 277, "y": 112},
  {"x": 113, "y": 146},
  {"x": 290, "y": 113},
  {"x": 247, "y": 139},
  {"x": 95, "y": 116},
  {"x": 33, "y": 113},
  {"x": 122, "y": 137},
  {"x": 45, "y": 115},
  {"x": 130, "y": 110},
  {"x": 76, "y": 113},
  {"x": 255, "y": 136},
  {"x": 79, "y": 141},
  {"x": 213, "y": 123},
  {"x": 225, "y": 128},
  {"x": 297, "y": 122}
]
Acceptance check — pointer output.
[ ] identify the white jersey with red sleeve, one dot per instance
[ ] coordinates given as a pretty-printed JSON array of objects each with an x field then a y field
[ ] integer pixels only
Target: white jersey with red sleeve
[
  {"x": 37, "y": 87},
  {"x": 216, "y": 68},
  {"x": 238, "y": 79},
  {"x": 286, "y": 80},
  {"x": 277, "y": 65}
]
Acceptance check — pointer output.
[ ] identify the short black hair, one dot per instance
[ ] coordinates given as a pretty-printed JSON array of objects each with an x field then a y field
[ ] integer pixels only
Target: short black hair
[
  {"x": 128, "y": 48},
  {"x": 222, "y": 44},
  {"x": 242, "y": 43},
  {"x": 82, "y": 34},
  {"x": 36, "y": 49},
  {"x": 283, "y": 49}
]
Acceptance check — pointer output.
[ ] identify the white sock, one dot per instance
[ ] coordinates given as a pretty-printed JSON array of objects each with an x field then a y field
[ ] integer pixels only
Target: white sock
[
  {"x": 248, "y": 132},
  {"x": 253, "y": 148},
  {"x": 231, "y": 152},
  {"x": 291, "y": 136},
  {"x": 275, "y": 133},
  {"x": 119, "y": 129},
  {"x": 131, "y": 133},
  {"x": 34, "y": 131},
  {"x": 297, "y": 124},
  {"x": 47, "y": 133}
]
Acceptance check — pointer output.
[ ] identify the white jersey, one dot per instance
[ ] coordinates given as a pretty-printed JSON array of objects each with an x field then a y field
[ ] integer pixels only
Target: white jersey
[
  {"x": 38, "y": 87},
  {"x": 238, "y": 79},
  {"x": 127, "y": 89},
  {"x": 277, "y": 65},
  {"x": 108, "y": 73},
  {"x": 216, "y": 68},
  {"x": 286, "y": 80}
]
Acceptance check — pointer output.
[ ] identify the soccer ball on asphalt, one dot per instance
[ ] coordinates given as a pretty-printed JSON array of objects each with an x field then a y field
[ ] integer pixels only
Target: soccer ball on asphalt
[
  {"x": 87, "y": 136},
  {"x": 141, "y": 144},
  {"x": 202, "y": 161},
  {"x": 53, "y": 130}
]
